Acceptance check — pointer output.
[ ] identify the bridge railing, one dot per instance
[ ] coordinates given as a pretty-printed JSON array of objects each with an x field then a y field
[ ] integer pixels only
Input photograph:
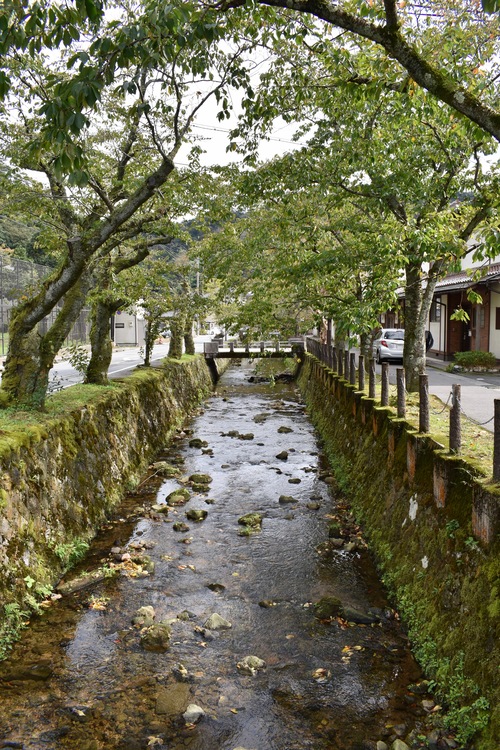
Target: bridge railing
[{"x": 238, "y": 348}]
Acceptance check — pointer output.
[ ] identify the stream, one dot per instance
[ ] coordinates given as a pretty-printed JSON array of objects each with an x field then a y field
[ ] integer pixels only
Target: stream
[{"x": 299, "y": 591}]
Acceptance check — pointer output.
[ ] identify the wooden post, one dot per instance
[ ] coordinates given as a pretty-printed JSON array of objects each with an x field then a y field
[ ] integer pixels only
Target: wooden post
[
  {"x": 424, "y": 424},
  {"x": 371, "y": 378},
  {"x": 384, "y": 398},
  {"x": 341, "y": 363},
  {"x": 361, "y": 372},
  {"x": 455, "y": 426},
  {"x": 352, "y": 369},
  {"x": 334, "y": 359},
  {"x": 400, "y": 380},
  {"x": 496, "y": 441},
  {"x": 346, "y": 365},
  {"x": 261, "y": 346},
  {"x": 231, "y": 347}
]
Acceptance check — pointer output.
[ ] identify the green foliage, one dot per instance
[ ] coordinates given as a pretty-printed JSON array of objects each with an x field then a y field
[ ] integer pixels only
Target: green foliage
[
  {"x": 472, "y": 359},
  {"x": 14, "y": 621},
  {"x": 69, "y": 553},
  {"x": 78, "y": 356}
]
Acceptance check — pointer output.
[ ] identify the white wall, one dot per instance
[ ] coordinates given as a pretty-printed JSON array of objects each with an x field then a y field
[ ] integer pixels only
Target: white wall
[
  {"x": 494, "y": 334},
  {"x": 129, "y": 329}
]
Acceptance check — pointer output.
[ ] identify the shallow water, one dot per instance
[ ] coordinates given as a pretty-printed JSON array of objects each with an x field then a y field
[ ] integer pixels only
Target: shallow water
[{"x": 80, "y": 678}]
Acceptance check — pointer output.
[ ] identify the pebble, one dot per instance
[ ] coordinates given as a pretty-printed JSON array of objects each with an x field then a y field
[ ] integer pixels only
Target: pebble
[
  {"x": 251, "y": 665},
  {"x": 193, "y": 714},
  {"x": 399, "y": 745},
  {"x": 144, "y": 616}
]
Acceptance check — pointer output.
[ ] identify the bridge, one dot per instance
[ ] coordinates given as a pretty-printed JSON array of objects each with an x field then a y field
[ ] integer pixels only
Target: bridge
[{"x": 238, "y": 350}]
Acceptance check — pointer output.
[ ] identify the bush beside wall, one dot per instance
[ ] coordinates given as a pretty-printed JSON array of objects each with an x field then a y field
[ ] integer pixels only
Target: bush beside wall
[{"x": 420, "y": 509}]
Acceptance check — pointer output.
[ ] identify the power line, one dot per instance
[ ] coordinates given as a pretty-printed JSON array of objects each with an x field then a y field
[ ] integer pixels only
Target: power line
[{"x": 269, "y": 138}]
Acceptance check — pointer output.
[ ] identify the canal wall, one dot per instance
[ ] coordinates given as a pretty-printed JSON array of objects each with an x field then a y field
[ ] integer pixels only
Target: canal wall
[
  {"x": 432, "y": 523},
  {"x": 61, "y": 477}
]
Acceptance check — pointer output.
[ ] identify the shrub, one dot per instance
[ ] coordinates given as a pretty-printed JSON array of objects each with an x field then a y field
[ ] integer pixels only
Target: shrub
[{"x": 470, "y": 360}]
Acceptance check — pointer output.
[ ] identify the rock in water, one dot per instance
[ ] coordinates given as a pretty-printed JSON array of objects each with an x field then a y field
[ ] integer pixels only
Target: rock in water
[
  {"x": 156, "y": 638},
  {"x": 216, "y": 622},
  {"x": 144, "y": 617},
  {"x": 251, "y": 665},
  {"x": 251, "y": 519},
  {"x": 327, "y": 607},
  {"x": 196, "y": 515},
  {"x": 200, "y": 478},
  {"x": 193, "y": 714},
  {"x": 283, "y": 455}
]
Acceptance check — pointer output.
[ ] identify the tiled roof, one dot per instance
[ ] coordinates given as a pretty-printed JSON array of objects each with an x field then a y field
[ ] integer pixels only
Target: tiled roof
[{"x": 463, "y": 280}]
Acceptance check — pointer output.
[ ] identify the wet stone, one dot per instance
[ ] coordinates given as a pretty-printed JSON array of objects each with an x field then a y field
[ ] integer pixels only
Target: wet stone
[
  {"x": 285, "y": 499},
  {"x": 196, "y": 515},
  {"x": 313, "y": 505},
  {"x": 282, "y": 455},
  {"x": 284, "y": 430},
  {"x": 156, "y": 638},
  {"x": 328, "y": 607},
  {"x": 246, "y": 436},
  {"x": 173, "y": 700},
  {"x": 144, "y": 617},
  {"x": 198, "y": 443},
  {"x": 165, "y": 470},
  {"x": 251, "y": 665},
  {"x": 193, "y": 714},
  {"x": 217, "y": 622},
  {"x": 253, "y": 520},
  {"x": 200, "y": 487},
  {"x": 200, "y": 478},
  {"x": 178, "y": 497},
  {"x": 294, "y": 480},
  {"x": 217, "y": 587},
  {"x": 180, "y": 526}
]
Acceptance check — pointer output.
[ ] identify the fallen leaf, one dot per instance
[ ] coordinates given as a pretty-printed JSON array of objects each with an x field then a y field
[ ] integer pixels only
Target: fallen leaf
[{"x": 234, "y": 710}]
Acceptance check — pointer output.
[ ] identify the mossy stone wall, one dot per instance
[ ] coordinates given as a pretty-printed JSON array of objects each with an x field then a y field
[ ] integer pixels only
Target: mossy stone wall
[
  {"x": 417, "y": 506},
  {"x": 58, "y": 482}
]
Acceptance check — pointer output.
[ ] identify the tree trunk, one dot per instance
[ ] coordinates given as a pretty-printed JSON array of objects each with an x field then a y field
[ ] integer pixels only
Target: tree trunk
[
  {"x": 100, "y": 341},
  {"x": 177, "y": 335},
  {"x": 150, "y": 335},
  {"x": 188, "y": 336},
  {"x": 31, "y": 355},
  {"x": 417, "y": 305}
]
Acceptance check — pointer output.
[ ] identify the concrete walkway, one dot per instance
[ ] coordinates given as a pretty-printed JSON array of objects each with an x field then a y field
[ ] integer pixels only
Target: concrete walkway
[{"x": 478, "y": 391}]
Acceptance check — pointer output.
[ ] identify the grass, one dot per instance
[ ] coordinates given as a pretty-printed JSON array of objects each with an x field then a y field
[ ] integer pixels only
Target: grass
[
  {"x": 14, "y": 420},
  {"x": 477, "y": 442}
]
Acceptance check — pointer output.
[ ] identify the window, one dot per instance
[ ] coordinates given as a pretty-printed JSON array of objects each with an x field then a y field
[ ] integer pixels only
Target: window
[
  {"x": 435, "y": 313},
  {"x": 497, "y": 318}
]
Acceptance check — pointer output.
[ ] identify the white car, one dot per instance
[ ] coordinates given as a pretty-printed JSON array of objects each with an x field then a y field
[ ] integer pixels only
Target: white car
[{"x": 389, "y": 344}]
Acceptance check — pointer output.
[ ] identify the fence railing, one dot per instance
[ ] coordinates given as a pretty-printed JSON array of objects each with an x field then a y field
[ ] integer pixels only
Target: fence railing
[
  {"x": 344, "y": 364},
  {"x": 17, "y": 279}
]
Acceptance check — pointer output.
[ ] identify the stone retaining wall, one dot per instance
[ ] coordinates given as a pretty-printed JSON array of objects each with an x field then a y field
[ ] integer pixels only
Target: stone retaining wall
[
  {"x": 59, "y": 484},
  {"x": 433, "y": 527}
]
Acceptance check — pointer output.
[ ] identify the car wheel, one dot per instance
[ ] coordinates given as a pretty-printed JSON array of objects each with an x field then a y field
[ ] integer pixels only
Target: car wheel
[{"x": 379, "y": 358}]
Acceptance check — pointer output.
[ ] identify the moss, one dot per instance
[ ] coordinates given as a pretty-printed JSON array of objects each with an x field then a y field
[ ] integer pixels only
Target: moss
[
  {"x": 444, "y": 583},
  {"x": 64, "y": 470}
]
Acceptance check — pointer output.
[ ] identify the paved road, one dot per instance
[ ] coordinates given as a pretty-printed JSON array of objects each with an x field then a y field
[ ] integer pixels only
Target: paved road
[{"x": 478, "y": 391}]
